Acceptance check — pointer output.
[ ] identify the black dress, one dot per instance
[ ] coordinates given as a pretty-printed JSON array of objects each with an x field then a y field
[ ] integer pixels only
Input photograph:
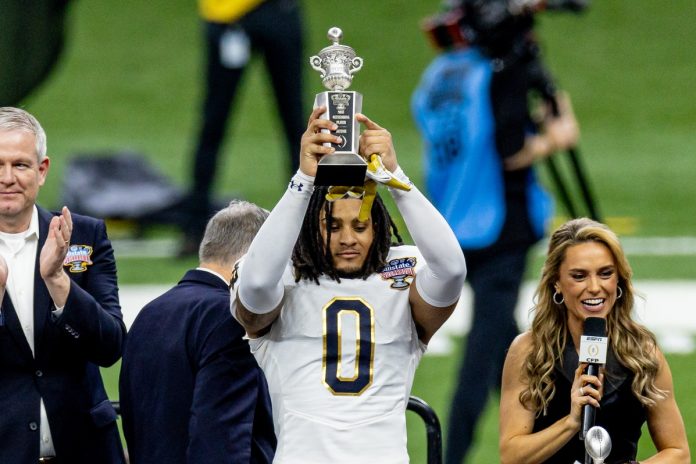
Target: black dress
[{"x": 620, "y": 412}]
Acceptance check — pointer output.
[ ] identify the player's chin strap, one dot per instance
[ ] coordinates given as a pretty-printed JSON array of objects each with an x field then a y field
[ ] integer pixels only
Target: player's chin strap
[{"x": 376, "y": 173}]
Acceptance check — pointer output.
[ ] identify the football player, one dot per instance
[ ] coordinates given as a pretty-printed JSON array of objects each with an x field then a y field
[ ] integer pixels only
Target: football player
[{"x": 337, "y": 317}]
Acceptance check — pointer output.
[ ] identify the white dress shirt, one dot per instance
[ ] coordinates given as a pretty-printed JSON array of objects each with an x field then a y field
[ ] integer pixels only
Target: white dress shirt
[
  {"x": 19, "y": 252},
  {"x": 227, "y": 282}
]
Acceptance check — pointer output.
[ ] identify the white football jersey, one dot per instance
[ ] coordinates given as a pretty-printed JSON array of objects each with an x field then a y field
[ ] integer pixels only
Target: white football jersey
[{"x": 340, "y": 362}]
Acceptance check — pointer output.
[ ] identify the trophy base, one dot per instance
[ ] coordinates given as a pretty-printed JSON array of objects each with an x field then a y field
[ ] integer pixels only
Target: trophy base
[{"x": 341, "y": 169}]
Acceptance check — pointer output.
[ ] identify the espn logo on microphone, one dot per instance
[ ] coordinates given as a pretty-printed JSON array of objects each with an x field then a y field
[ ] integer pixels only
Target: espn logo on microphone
[{"x": 593, "y": 349}]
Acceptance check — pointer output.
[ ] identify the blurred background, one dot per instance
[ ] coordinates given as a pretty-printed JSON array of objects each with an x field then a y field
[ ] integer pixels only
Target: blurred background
[{"x": 129, "y": 79}]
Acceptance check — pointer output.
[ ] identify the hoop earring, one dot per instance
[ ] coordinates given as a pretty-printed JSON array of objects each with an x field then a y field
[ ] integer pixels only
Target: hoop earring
[
  {"x": 556, "y": 301},
  {"x": 620, "y": 293}
]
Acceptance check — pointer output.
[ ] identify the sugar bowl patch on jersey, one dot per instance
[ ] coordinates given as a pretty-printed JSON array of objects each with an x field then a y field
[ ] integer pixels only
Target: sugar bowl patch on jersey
[
  {"x": 78, "y": 258},
  {"x": 398, "y": 270}
]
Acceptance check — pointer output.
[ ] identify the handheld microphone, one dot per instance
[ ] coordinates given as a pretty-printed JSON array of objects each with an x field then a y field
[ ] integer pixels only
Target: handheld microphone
[{"x": 593, "y": 350}]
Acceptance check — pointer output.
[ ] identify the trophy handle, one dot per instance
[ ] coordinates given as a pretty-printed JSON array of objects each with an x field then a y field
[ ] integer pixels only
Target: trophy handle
[
  {"x": 315, "y": 62},
  {"x": 356, "y": 65}
]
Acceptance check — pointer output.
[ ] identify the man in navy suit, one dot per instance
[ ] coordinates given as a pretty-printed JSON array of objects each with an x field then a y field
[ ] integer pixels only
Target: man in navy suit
[
  {"x": 191, "y": 392},
  {"x": 60, "y": 316}
]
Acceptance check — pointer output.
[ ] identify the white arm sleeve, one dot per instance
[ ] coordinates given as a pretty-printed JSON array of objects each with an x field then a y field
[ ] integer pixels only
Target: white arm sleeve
[
  {"x": 260, "y": 286},
  {"x": 440, "y": 282}
]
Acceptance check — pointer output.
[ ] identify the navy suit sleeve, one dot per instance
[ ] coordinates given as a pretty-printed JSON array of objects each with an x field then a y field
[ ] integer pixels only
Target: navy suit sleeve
[
  {"x": 224, "y": 397},
  {"x": 92, "y": 316}
]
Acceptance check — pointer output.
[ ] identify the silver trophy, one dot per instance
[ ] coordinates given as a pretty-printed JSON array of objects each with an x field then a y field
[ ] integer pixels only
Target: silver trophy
[
  {"x": 597, "y": 444},
  {"x": 337, "y": 63}
]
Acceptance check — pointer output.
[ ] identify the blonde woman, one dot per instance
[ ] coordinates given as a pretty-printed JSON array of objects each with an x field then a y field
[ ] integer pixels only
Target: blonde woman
[{"x": 544, "y": 389}]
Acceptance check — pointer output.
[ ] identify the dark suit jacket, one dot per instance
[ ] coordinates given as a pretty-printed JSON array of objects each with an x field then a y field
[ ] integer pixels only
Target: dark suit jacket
[
  {"x": 64, "y": 371},
  {"x": 190, "y": 390}
]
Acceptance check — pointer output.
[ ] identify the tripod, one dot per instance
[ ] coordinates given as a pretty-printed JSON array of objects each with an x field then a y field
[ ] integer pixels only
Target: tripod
[
  {"x": 541, "y": 81},
  {"x": 560, "y": 184}
]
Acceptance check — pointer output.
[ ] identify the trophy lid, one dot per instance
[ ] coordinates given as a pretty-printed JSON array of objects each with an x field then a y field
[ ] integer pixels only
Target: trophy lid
[{"x": 335, "y": 35}]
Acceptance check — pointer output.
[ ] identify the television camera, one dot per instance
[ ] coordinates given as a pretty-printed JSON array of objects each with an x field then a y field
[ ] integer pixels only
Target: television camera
[{"x": 504, "y": 31}]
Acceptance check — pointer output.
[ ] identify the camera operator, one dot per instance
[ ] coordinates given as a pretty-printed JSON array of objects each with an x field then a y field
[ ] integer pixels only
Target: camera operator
[{"x": 481, "y": 143}]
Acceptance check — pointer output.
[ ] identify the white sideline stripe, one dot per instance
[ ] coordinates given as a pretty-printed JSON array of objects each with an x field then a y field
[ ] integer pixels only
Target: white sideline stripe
[
  {"x": 659, "y": 246},
  {"x": 634, "y": 246},
  {"x": 134, "y": 297},
  {"x": 150, "y": 248},
  {"x": 667, "y": 308}
]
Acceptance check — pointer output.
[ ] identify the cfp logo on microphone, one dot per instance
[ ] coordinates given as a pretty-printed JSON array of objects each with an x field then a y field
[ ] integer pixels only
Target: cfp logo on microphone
[{"x": 593, "y": 349}]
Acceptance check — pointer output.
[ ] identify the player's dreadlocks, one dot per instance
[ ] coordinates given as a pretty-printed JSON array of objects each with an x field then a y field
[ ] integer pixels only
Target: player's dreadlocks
[{"x": 311, "y": 257}]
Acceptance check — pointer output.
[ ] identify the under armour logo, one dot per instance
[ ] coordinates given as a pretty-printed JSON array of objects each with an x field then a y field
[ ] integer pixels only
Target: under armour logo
[{"x": 295, "y": 186}]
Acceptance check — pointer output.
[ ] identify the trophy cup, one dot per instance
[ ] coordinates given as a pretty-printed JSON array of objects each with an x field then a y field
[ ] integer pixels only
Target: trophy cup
[
  {"x": 597, "y": 445},
  {"x": 337, "y": 63}
]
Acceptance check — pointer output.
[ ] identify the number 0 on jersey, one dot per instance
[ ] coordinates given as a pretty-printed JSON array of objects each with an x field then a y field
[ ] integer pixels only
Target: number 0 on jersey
[{"x": 336, "y": 314}]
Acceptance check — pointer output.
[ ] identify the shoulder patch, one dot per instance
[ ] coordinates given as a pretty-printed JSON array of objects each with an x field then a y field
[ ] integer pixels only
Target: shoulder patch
[
  {"x": 398, "y": 270},
  {"x": 78, "y": 258}
]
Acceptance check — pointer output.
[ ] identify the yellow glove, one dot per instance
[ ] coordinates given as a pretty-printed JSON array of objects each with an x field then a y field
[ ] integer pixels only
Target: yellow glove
[
  {"x": 337, "y": 192},
  {"x": 367, "y": 193},
  {"x": 368, "y": 198},
  {"x": 377, "y": 172}
]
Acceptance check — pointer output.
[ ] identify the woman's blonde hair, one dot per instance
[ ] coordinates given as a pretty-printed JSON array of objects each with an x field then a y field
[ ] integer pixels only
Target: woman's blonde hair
[{"x": 634, "y": 345}]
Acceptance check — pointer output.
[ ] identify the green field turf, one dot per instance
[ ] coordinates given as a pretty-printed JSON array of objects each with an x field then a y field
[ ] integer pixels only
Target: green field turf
[{"x": 129, "y": 79}]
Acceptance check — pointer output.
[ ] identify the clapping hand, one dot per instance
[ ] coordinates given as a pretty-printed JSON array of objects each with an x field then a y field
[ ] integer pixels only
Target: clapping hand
[{"x": 53, "y": 255}]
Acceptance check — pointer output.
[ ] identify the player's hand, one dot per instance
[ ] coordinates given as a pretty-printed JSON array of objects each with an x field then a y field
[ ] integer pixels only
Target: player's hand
[
  {"x": 376, "y": 139},
  {"x": 56, "y": 246},
  {"x": 311, "y": 146}
]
